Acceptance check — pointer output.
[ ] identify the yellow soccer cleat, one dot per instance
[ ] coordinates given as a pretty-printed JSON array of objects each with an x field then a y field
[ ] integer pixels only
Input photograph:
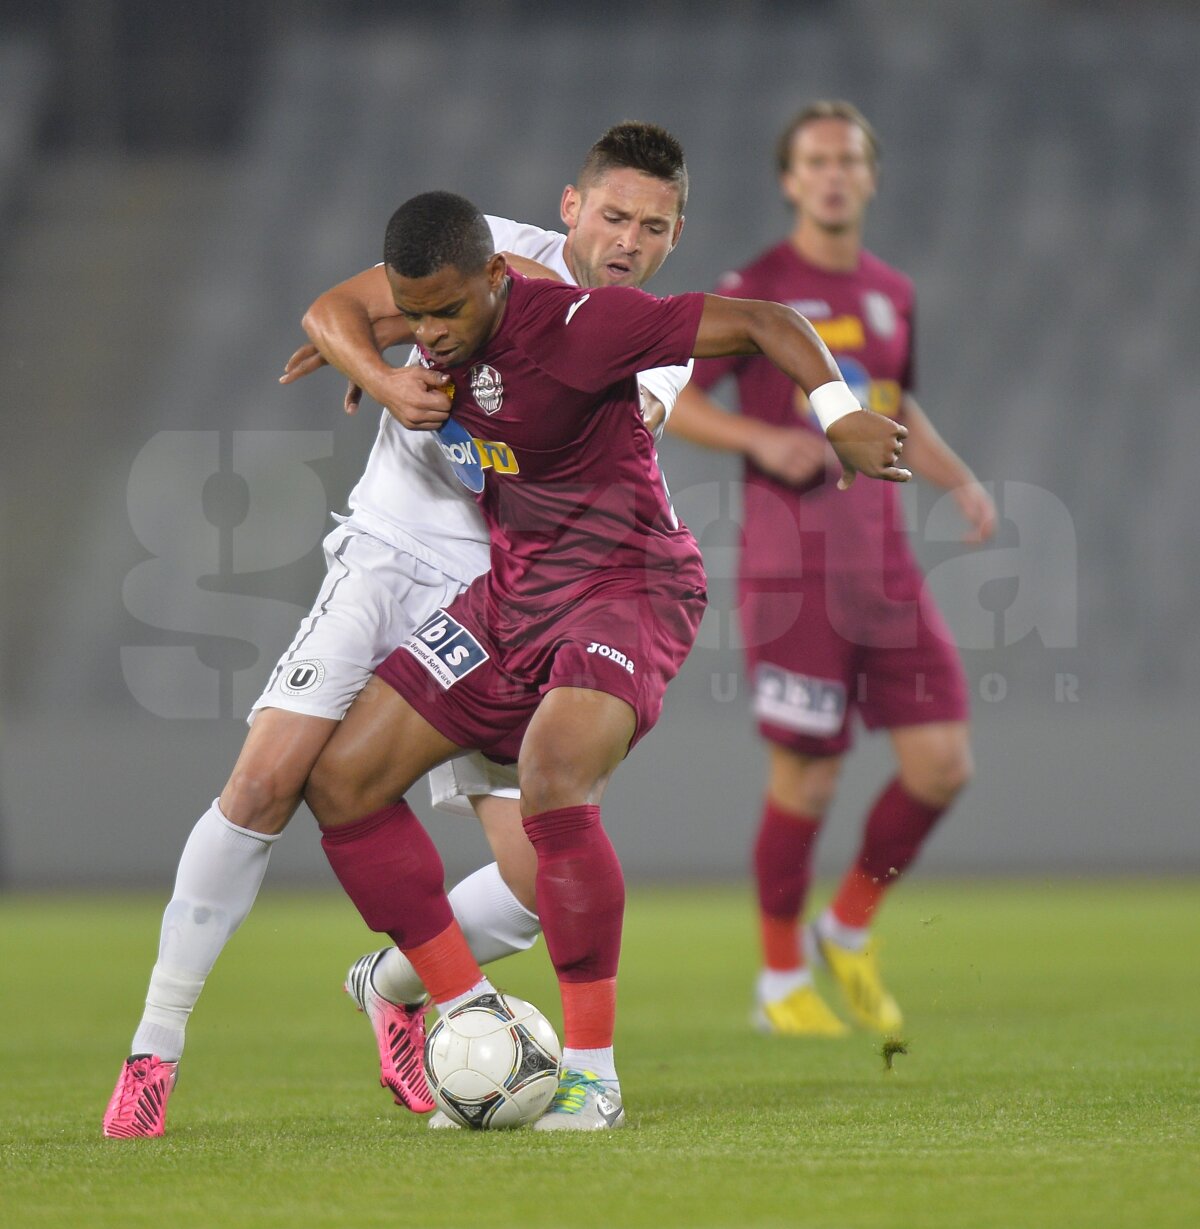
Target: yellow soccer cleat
[
  {"x": 803, "y": 1013},
  {"x": 857, "y": 976}
]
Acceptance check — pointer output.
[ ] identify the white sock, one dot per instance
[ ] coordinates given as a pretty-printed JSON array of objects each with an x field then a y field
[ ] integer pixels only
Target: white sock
[
  {"x": 599, "y": 1062},
  {"x": 776, "y": 984},
  {"x": 494, "y": 924},
  {"x": 219, "y": 874},
  {"x": 852, "y": 937}
]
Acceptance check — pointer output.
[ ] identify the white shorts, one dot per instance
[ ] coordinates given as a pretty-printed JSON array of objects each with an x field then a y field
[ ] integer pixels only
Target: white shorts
[
  {"x": 453, "y": 783},
  {"x": 372, "y": 597}
]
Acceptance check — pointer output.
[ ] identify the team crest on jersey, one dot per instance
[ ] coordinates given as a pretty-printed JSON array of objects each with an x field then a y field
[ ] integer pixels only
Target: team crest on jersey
[
  {"x": 301, "y": 677},
  {"x": 487, "y": 388},
  {"x": 880, "y": 312}
]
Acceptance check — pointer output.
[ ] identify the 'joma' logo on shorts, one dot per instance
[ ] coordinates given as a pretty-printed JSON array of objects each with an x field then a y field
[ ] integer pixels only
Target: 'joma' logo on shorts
[{"x": 614, "y": 655}]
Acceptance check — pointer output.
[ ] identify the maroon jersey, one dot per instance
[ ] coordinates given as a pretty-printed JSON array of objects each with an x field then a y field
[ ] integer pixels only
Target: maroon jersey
[
  {"x": 865, "y": 317},
  {"x": 572, "y": 488}
]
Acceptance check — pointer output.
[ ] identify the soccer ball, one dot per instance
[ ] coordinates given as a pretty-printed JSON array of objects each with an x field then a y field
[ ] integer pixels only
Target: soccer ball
[{"x": 493, "y": 1062}]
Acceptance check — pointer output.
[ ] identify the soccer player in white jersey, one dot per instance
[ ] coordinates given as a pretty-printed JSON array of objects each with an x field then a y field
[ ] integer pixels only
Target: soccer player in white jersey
[{"x": 412, "y": 540}]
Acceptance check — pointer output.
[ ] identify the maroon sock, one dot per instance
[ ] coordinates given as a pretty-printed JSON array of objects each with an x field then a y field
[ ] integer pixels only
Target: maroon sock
[
  {"x": 896, "y": 828},
  {"x": 580, "y": 892},
  {"x": 783, "y": 856},
  {"x": 783, "y": 860},
  {"x": 392, "y": 872}
]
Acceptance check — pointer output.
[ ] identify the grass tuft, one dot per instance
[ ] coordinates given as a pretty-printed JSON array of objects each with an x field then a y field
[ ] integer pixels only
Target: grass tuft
[{"x": 890, "y": 1048}]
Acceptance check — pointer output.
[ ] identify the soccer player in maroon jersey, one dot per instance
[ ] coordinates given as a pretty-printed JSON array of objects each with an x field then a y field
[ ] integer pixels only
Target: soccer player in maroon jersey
[
  {"x": 412, "y": 538},
  {"x": 558, "y": 657},
  {"x": 835, "y": 616}
]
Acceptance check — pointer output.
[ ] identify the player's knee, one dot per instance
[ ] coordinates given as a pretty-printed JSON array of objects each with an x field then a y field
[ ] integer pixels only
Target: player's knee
[
  {"x": 260, "y": 801},
  {"x": 332, "y": 792},
  {"x": 943, "y": 775},
  {"x": 819, "y": 784},
  {"x": 805, "y": 785},
  {"x": 549, "y": 783}
]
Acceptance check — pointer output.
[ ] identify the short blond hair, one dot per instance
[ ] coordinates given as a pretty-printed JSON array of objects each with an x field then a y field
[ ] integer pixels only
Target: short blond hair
[{"x": 825, "y": 108}]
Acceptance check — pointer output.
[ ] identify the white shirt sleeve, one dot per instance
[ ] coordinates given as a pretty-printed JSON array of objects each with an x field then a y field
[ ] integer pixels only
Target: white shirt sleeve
[
  {"x": 544, "y": 246},
  {"x": 665, "y": 383}
]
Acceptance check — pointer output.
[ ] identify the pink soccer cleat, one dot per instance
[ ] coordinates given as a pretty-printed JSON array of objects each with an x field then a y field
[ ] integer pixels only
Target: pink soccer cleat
[
  {"x": 399, "y": 1036},
  {"x": 138, "y": 1106}
]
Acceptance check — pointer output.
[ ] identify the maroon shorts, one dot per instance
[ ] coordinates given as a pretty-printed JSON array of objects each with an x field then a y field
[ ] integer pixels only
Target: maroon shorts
[
  {"x": 620, "y": 638},
  {"x": 820, "y": 648}
]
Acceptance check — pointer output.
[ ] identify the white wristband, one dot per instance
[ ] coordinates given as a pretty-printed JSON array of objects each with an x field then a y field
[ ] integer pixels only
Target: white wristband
[{"x": 832, "y": 401}]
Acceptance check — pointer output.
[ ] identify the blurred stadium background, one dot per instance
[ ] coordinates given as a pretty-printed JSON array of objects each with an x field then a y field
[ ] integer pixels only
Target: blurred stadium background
[{"x": 178, "y": 182}]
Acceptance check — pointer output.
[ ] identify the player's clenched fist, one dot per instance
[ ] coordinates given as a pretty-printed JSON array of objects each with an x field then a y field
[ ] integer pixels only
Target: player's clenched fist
[
  {"x": 415, "y": 396},
  {"x": 868, "y": 443}
]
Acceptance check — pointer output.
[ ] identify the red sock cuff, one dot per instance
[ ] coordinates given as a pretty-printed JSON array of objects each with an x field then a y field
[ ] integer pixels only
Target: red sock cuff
[
  {"x": 782, "y": 950},
  {"x": 858, "y": 896},
  {"x": 589, "y": 1013},
  {"x": 445, "y": 964}
]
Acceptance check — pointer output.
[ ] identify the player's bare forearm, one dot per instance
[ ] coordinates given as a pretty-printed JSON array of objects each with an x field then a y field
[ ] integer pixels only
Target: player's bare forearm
[
  {"x": 391, "y": 331},
  {"x": 935, "y": 461},
  {"x": 779, "y": 333},
  {"x": 348, "y": 323},
  {"x": 932, "y": 458}
]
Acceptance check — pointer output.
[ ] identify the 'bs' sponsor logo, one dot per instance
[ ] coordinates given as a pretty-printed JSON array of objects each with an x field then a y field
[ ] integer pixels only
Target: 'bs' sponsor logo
[
  {"x": 301, "y": 677},
  {"x": 445, "y": 648},
  {"x": 798, "y": 702}
]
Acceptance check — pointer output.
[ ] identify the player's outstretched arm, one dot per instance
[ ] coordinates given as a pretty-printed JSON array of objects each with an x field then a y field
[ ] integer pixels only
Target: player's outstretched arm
[{"x": 865, "y": 442}]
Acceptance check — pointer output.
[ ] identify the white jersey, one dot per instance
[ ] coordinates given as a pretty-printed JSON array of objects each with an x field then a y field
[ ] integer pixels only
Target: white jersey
[{"x": 408, "y": 495}]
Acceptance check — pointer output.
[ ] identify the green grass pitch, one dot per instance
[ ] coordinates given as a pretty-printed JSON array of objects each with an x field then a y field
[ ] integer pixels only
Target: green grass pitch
[{"x": 1050, "y": 1079}]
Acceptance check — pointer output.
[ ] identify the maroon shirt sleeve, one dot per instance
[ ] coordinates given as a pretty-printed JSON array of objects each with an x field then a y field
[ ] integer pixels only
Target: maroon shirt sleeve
[{"x": 591, "y": 339}]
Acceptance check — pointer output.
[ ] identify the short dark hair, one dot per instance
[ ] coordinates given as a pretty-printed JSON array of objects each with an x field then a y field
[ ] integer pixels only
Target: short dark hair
[
  {"x": 825, "y": 108},
  {"x": 640, "y": 147},
  {"x": 434, "y": 230}
]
